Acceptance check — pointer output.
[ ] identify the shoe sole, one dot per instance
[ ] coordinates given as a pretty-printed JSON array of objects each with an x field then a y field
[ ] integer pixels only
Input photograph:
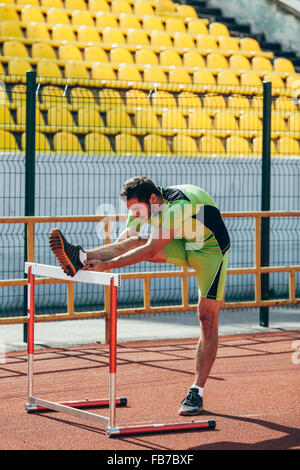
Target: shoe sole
[
  {"x": 57, "y": 246},
  {"x": 190, "y": 413}
]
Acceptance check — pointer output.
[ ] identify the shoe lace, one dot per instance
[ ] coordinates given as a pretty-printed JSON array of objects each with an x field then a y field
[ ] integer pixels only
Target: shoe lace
[{"x": 191, "y": 398}]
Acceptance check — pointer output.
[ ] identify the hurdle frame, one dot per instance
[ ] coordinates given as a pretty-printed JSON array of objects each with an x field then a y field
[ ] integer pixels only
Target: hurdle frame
[{"x": 74, "y": 408}]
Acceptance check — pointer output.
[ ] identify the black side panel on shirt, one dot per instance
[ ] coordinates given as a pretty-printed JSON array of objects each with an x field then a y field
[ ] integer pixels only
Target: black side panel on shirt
[
  {"x": 211, "y": 217},
  {"x": 174, "y": 194}
]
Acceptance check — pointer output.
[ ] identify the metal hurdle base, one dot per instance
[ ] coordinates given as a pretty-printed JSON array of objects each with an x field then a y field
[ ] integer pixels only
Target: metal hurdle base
[{"x": 74, "y": 408}]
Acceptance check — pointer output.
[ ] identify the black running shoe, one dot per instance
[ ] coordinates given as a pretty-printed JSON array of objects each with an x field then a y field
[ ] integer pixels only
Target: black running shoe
[
  {"x": 66, "y": 253},
  {"x": 192, "y": 404}
]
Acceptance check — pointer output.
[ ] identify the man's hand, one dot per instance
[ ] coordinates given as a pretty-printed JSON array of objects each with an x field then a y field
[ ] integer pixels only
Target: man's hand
[{"x": 94, "y": 265}]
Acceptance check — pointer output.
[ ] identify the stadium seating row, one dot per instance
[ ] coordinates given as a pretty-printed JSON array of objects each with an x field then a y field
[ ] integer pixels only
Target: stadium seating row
[{"x": 151, "y": 144}]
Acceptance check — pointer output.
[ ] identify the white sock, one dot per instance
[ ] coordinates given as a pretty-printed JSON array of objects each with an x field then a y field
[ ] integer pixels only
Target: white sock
[
  {"x": 200, "y": 389},
  {"x": 82, "y": 256}
]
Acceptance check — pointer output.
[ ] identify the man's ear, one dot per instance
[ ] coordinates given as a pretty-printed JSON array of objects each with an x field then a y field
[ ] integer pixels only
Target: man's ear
[{"x": 153, "y": 199}]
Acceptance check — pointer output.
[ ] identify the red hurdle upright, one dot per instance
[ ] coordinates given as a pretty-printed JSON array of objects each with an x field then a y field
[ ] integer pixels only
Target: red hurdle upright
[{"x": 74, "y": 408}]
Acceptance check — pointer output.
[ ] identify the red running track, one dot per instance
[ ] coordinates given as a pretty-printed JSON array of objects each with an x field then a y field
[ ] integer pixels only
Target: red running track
[{"x": 252, "y": 394}]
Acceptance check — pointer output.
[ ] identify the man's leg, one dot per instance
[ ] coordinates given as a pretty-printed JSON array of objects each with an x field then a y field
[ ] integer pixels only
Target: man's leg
[{"x": 112, "y": 250}]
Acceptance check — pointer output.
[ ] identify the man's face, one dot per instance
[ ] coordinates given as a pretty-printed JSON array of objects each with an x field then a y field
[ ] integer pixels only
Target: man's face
[{"x": 139, "y": 209}]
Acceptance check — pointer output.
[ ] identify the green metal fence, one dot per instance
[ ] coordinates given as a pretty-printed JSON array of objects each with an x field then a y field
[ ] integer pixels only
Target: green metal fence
[{"x": 89, "y": 136}]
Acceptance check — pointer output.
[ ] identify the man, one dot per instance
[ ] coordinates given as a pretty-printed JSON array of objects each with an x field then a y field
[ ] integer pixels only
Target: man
[{"x": 188, "y": 230}]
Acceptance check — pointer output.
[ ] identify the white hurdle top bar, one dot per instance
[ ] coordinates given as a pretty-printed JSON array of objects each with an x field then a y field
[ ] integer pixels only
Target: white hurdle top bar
[{"x": 88, "y": 277}]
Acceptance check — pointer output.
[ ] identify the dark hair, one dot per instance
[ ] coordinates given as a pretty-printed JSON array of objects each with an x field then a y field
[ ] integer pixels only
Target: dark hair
[{"x": 139, "y": 187}]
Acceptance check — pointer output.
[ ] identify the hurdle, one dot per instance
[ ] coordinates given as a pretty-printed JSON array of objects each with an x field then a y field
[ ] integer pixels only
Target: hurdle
[{"x": 76, "y": 408}]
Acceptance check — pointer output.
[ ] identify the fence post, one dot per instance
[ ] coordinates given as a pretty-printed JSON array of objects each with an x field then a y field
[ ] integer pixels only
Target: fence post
[
  {"x": 265, "y": 199},
  {"x": 29, "y": 167}
]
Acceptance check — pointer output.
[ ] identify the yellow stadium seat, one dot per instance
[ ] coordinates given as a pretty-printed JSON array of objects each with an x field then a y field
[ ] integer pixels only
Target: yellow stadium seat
[
  {"x": 176, "y": 25},
  {"x": 60, "y": 116},
  {"x": 66, "y": 142},
  {"x": 196, "y": 26},
  {"x": 283, "y": 65},
  {"x": 278, "y": 125},
  {"x": 8, "y": 29},
  {"x": 99, "y": 5},
  {"x": 250, "y": 124},
  {"x": 154, "y": 75},
  {"x": 251, "y": 79},
  {"x": 177, "y": 75},
  {"x": 163, "y": 99},
  {"x": 156, "y": 145},
  {"x": 109, "y": 98},
  {"x": 187, "y": 11},
  {"x": 48, "y": 69},
  {"x": 18, "y": 66},
  {"x": 165, "y": 7},
  {"x": 18, "y": 94},
  {"x": 21, "y": 116},
  {"x": 170, "y": 57},
  {"x": 199, "y": 122},
  {"x": 113, "y": 36},
  {"x": 97, "y": 143},
  {"x": 3, "y": 95},
  {"x": 249, "y": 44},
  {"x": 294, "y": 122},
  {"x": 216, "y": 61},
  {"x": 237, "y": 146},
  {"x": 288, "y": 146},
  {"x": 285, "y": 104},
  {"x": 193, "y": 59},
  {"x": 7, "y": 13},
  {"x": 214, "y": 103},
  {"x": 229, "y": 44},
  {"x": 26, "y": 2},
  {"x": 106, "y": 19},
  {"x": 89, "y": 116},
  {"x": 95, "y": 54},
  {"x": 203, "y": 77},
  {"x": 103, "y": 71},
  {"x": 239, "y": 62},
  {"x": 62, "y": 32},
  {"x": 50, "y": 95},
  {"x": 184, "y": 40},
  {"x": 211, "y": 145},
  {"x": 206, "y": 42},
  {"x": 218, "y": 29},
  {"x": 257, "y": 146},
  {"x": 129, "y": 21},
  {"x": 136, "y": 99},
  {"x": 120, "y": 6},
  {"x": 87, "y": 34},
  {"x": 7, "y": 141},
  {"x": 172, "y": 121},
  {"x": 129, "y": 73},
  {"x": 146, "y": 57},
  {"x": 257, "y": 104},
  {"x": 189, "y": 101},
  {"x": 145, "y": 121},
  {"x": 80, "y": 17},
  {"x": 31, "y": 13},
  {"x": 293, "y": 79},
  {"x": 41, "y": 142},
  {"x": 69, "y": 52},
  {"x": 52, "y": 3},
  {"x": 37, "y": 31},
  {"x": 42, "y": 50},
  {"x": 75, "y": 5},
  {"x": 127, "y": 144},
  {"x": 142, "y": 8},
  {"x": 226, "y": 77},
  {"x": 238, "y": 104},
  {"x": 136, "y": 37},
  {"x": 9, "y": 2},
  {"x": 76, "y": 70},
  {"x": 161, "y": 38},
  {"x": 79, "y": 95},
  {"x": 225, "y": 122},
  {"x": 121, "y": 55},
  {"x": 184, "y": 145},
  {"x": 5, "y": 116},
  {"x": 152, "y": 23},
  {"x": 57, "y": 16},
  {"x": 116, "y": 118},
  {"x": 276, "y": 80},
  {"x": 262, "y": 64},
  {"x": 14, "y": 49}
]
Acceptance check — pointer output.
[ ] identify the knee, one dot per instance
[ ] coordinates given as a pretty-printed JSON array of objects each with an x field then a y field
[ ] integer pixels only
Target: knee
[{"x": 208, "y": 313}]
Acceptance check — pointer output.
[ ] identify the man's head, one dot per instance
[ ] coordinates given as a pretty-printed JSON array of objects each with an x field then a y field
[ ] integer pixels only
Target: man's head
[{"x": 140, "y": 193}]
